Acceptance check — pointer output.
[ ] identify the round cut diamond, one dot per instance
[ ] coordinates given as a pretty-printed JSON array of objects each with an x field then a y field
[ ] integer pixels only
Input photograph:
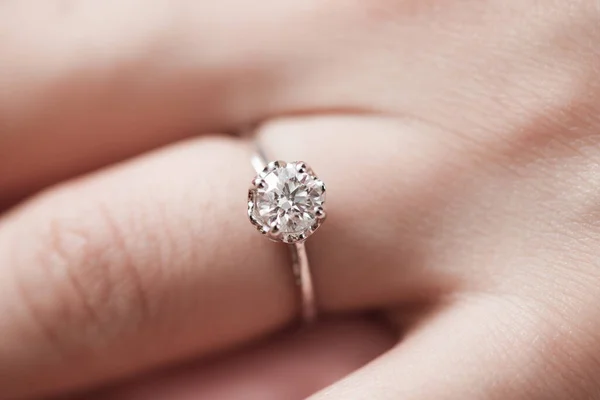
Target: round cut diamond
[{"x": 286, "y": 201}]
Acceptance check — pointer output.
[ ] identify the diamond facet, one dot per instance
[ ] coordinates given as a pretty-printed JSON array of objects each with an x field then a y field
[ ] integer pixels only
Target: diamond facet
[{"x": 286, "y": 201}]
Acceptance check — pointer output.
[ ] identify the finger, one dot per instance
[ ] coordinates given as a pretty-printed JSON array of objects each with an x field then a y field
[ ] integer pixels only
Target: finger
[
  {"x": 76, "y": 95},
  {"x": 386, "y": 191},
  {"x": 291, "y": 367},
  {"x": 136, "y": 266},
  {"x": 482, "y": 347}
]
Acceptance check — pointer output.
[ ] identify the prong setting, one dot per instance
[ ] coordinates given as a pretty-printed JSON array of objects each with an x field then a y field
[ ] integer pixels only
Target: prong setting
[
  {"x": 259, "y": 183},
  {"x": 320, "y": 213},
  {"x": 301, "y": 167},
  {"x": 291, "y": 206}
]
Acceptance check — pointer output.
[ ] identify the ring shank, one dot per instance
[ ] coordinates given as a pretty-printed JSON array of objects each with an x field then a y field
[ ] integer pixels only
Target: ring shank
[{"x": 300, "y": 264}]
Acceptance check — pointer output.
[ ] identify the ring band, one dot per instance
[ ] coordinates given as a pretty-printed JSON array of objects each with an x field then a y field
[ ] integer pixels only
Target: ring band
[{"x": 285, "y": 203}]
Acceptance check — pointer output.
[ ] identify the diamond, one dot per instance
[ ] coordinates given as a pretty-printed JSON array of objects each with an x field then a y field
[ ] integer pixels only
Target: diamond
[{"x": 286, "y": 201}]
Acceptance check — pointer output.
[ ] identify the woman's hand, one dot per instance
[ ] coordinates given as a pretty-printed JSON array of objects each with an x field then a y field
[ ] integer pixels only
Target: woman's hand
[{"x": 460, "y": 144}]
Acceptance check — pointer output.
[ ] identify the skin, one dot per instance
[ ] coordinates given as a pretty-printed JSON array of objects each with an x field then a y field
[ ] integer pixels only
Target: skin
[{"x": 460, "y": 145}]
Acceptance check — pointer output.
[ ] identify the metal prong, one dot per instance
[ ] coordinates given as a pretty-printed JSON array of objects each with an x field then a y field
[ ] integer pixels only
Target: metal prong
[
  {"x": 259, "y": 183},
  {"x": 301, "y": 167},
  {"x": 321, "y": 184},
  {"x": 320, "y": 213},
  {"x": 274, "y": 233},
  {"x": 302, "y": 237},
  {"x": 288, "y": 239},
  {"x": 276, "y": 164}
]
